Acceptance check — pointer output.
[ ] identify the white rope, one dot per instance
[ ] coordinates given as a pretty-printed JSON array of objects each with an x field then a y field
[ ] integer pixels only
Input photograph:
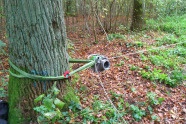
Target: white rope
[
  {"x": 109, "y": 98},
  {"x": 146, "y": 50},
  {"x": 102, "y": 27}
]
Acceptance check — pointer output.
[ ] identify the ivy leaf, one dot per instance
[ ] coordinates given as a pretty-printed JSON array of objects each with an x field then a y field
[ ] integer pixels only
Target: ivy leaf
[
  {"x": 59, "y": 103},
  {"x": 161, "y": 99},
  {"x": 133, "y": 89},
  {"x": 184, "y": 77},
  {"x": 137, "y": 117},
  {"x": 48, "y": 103},
  {"x": 39, "y": 98},
  {"x": 40, "y": 119},
  {"x": 58, "y": 113},
  {"x": 122, "y": 101},
  {"x": 104, "y": 117},
  {"x": 55, "y": 90},
  {"x": 154, "y": 117},
  {"x": 65, "y": 113},
  {"x": 50, "y": 115}
]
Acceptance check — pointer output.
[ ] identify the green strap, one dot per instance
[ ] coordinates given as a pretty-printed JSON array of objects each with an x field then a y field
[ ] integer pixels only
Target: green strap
[
  {"x": 79, "y": 60},
  {"x": 15, "y": 75},
  {"x": 88, "y": 65},
  {"x": 23, "y": 74}
]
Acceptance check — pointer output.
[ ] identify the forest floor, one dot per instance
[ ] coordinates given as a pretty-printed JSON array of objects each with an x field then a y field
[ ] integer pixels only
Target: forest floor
[
  {"x": 136, "y": 84},
  {"x": 125, "y": 83}
]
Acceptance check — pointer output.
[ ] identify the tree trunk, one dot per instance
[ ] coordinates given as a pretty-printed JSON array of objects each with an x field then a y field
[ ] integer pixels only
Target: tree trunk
[
  {"x": 137, "y": 21},
  {"x": 93, "y": 10},
  {"x": 69, "y": 6},
  {"x": 77, "y": 7},
  {"x": 2, "y": 19},
  {"x": 144, "y": 7},
  {"x": 37, "y": 43}
]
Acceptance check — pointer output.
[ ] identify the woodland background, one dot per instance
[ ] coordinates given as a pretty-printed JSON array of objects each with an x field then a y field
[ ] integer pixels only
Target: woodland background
[{"x": 145, "y": 88}]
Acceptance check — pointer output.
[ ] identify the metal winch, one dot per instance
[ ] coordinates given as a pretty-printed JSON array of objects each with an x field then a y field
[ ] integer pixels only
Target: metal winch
[{"x": 101, "y": 63}]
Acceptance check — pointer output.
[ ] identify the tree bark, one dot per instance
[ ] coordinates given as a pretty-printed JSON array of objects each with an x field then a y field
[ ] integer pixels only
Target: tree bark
[
  {"x": 137, "y": 21},
  {"x": 37, "y": 42}
]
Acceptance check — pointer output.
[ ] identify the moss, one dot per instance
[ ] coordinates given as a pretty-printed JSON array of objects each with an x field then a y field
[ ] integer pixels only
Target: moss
[
  {"x": 15, "y": 116},
  {"x": 14, "y": 88},
  {"x": 18, "y": 92}
]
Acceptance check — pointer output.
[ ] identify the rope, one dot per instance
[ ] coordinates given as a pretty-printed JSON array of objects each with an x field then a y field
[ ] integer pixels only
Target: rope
[
  {"x": 145, "y": 50},
  {"x": 109, "y": 98},
  {"x": 102, "y": 26}
]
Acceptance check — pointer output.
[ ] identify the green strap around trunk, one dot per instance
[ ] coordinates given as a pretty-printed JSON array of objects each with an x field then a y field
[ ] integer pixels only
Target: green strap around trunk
[{"x": 24, "y": 74}]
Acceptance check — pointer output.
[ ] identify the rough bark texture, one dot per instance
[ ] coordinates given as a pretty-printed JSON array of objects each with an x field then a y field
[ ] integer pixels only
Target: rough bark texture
[
  {"x": 137, "y": 21},
  {"x": 37, "y": 41}
]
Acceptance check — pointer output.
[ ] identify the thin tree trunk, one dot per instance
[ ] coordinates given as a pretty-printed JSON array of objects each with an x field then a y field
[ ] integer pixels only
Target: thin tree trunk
[
  {"x": 85, "y": 17},
  {"x": 2, "y": 19},
  {"x": 137, "y": 20},
  {"x": 119, "y": 10},
  {"x": 77, "y": 7},
  {"x": 37, "y": 42},
  {"x": 144, "y": 7},
  {"x": 93, "y": 20},
  {"x": 110, "y": 14}
]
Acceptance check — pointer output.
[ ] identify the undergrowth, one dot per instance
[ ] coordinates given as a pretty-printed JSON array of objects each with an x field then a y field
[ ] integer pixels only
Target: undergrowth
[
  {"x": 99, "y": 112},
  {"x": 170, "y": 24}
]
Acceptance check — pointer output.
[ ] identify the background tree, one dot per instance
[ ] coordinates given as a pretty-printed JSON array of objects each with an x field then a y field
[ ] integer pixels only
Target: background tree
[
  {"x": 112, "y": 14},
  {"x": 137, "y": 20},
  {"x": 37, "y": 41},
  {"x": 2, "y": 19}
]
